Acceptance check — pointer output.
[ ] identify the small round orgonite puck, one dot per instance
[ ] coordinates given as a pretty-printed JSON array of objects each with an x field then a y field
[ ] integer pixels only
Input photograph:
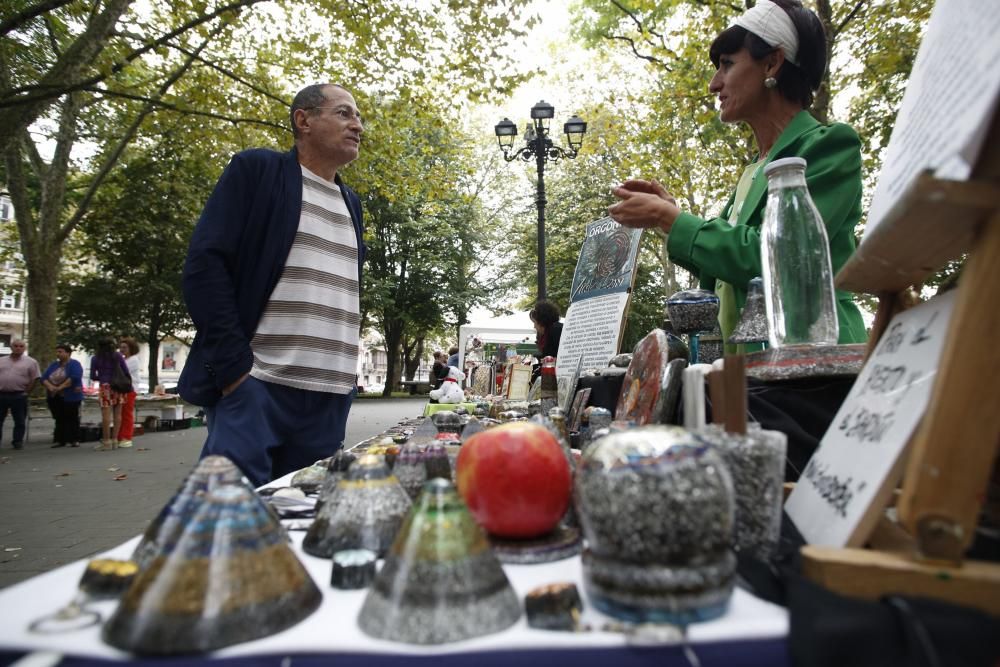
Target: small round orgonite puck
[
  {"x": 554, "y": 607},
  {"x": 105, "y": 577},
  {"x": 353, "y": 568}
]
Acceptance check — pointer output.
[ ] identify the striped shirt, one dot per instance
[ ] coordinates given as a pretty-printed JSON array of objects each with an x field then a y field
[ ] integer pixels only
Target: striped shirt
[{"x": 308, "y": 335}]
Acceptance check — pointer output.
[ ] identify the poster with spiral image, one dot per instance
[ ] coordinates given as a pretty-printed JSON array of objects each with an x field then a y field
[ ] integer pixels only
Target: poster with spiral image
[{"x": 607, "y": 260}]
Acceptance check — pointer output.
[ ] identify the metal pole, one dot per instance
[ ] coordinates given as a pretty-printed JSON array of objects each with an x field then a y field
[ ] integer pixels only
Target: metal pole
[{"x": 540, "y": 200}]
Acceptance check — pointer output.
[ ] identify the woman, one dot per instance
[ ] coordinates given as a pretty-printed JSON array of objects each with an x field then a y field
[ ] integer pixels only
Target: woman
[
  {"x": 130, "y": 350},
  {"x": 102, "y": 369},
  {"x": 767, "y": 66},
  {"x": 63, "y": 382},
  {"x": 548, "y": 330}
]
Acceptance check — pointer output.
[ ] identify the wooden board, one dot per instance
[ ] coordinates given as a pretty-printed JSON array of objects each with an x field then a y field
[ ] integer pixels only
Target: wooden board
[
  {"x": 870, "y": 574},
  {"x": 936, "y": 222},
  {"x": 943, "y": 488}
]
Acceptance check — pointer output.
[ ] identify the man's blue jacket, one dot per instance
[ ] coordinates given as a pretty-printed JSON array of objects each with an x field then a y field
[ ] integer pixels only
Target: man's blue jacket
[{"x": 237, "y": 254}]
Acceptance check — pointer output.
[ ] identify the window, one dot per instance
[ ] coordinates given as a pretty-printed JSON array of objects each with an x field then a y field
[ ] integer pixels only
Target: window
[
  {"x": 5, "y": 209},
  {"x": 10, "y": 300}
]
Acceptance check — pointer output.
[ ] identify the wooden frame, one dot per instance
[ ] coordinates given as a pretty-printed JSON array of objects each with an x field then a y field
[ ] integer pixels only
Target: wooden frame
[{"x": 942, "y": 491}]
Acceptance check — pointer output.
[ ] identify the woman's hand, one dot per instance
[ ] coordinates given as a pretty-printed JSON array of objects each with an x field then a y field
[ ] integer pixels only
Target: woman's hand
[{"x": 645, "y": 204}]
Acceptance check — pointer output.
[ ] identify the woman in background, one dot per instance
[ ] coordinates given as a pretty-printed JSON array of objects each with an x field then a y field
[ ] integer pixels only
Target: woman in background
[
  {"x": 548, "y": 330},
  {"x": 102, "y": 369},
  {"x": 63, "y": 382},
  {"x": 130, "y": 350}
]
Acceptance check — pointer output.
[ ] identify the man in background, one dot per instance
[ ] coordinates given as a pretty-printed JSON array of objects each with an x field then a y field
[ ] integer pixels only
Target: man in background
[
  {"x": 18, "y": 374},
  {"x": 272, "y": 282}
]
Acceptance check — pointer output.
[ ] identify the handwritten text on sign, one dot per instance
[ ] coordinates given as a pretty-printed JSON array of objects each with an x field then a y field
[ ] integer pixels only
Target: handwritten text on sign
[{"x": 861, "y": 448}]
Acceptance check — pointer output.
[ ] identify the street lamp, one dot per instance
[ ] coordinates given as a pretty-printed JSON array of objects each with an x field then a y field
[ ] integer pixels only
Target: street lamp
[{"x": 539, "y": 146}]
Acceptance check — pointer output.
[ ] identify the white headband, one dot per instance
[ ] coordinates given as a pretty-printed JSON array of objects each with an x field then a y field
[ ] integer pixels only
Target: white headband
[{"x": 773, "y": 25}]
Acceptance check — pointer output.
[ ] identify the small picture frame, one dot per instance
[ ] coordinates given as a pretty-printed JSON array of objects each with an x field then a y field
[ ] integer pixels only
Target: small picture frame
[
  {"x": 505, "y": 387},
  {"x": 520, "y": 381},
  {"x": 576, "y": 411},
  {"x": 482, "y": 380}
]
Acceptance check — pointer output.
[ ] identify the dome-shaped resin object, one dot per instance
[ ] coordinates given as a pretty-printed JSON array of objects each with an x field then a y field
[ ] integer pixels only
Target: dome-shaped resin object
[
  {"x": 228, "y": 577},
  {"x": 693, "y": 310},
  {"x": 656, "y": 507},
  {"x": 440, "y": 582},
  {"x": 364, "y": 512},
  {"x": 209, "y": 473}
]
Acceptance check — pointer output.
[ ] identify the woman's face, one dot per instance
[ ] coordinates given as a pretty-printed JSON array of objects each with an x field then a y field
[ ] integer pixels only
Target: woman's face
[
  {"x": 739, "y": 85},
  {"x": 123, "y": 348}
]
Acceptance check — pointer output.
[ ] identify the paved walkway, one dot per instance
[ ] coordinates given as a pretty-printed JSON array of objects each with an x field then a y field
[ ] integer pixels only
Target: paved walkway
[{"x": 60, "y": 505}]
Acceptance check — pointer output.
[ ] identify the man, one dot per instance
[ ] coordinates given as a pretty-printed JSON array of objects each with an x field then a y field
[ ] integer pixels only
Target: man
[
  {"x": 18, "y": 374},
  {"x": 272, "y": 282}
]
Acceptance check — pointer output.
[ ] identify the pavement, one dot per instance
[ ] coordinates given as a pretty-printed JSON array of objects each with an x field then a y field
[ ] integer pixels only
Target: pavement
[{"x": 61, "y": 505}]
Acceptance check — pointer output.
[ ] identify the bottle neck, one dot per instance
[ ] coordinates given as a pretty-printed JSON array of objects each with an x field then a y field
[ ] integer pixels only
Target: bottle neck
[{"x": 789, "y": 177}]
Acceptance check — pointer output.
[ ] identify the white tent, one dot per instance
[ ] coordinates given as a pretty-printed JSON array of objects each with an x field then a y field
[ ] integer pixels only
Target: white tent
[{"x": 509, "y": 329}]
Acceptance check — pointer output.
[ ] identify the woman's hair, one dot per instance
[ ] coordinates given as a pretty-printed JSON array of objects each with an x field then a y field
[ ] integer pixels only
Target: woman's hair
[
  {"x": 65, "y": 347},
  {"x": 795, "y": 82},
  {"x": 106, "y": 347},
  {"x": 453, "y": 349},
  {"x": 133, "y": 346},
  {"x": 545, "y": 313}
]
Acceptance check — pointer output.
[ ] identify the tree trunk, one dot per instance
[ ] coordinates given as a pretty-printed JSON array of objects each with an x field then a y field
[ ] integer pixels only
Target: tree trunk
[
  {"x": 821, "y": 103},
  {"x": 393, "y": 335},
  {"x": 43, "y": 277},
  {"x": 153, "y": 341},
  {"x": 412, "y": 353}
]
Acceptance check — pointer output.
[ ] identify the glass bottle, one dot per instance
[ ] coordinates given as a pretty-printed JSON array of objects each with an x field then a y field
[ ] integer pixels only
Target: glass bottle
[{"x": 795, "y": 256}]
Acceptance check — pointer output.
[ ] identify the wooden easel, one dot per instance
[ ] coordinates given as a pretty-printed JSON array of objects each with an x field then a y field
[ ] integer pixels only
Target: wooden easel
[{"x": 951, "y": 455}]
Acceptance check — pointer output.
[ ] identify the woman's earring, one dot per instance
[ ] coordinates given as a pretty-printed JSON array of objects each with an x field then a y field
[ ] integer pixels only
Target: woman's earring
[{"x": 770, "y": 82}]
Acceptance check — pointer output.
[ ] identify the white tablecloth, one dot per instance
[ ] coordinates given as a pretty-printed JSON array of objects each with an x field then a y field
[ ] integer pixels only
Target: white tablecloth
[{"x": 333, "y": 627}]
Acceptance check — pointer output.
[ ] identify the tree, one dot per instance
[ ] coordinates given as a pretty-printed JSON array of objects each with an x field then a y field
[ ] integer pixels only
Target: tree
[
  {"x": 68, "y": 66},
  {"x": 137, "y": 235}
]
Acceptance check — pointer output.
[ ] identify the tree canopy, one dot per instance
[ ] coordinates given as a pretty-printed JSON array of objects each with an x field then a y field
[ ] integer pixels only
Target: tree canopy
[{"x": 94, "y": 75}]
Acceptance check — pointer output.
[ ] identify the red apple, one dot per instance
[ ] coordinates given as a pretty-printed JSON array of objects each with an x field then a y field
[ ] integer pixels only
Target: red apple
[{"x": 515, "y": 479}]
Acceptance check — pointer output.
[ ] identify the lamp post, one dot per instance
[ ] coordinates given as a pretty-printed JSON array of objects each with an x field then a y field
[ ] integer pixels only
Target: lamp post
[{"x": 539, "y": 146}]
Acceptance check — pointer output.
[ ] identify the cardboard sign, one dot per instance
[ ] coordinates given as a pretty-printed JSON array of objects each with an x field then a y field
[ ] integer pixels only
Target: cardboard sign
[
  {"x": 846, "y": 484},
  {"x": 950, "y": 99}
]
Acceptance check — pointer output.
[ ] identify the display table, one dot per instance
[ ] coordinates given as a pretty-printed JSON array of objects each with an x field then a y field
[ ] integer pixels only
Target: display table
[
  {"x": 434, "y": 408},
  {"x": 753, "y": 632}
]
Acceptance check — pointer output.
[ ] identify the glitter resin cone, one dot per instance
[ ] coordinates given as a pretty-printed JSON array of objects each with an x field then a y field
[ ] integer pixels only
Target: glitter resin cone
[
  {"x": 440, "y": 582},
  {"x": 228, "y": 577},
  {"x": 210, "y": 473},
  {"x": 365, "y": 511}
]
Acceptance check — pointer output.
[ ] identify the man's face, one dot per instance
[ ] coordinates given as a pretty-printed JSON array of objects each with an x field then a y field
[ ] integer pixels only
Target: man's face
[
  {"x": 17, "y": 348},
  {"x": 334, "y": 127}
]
